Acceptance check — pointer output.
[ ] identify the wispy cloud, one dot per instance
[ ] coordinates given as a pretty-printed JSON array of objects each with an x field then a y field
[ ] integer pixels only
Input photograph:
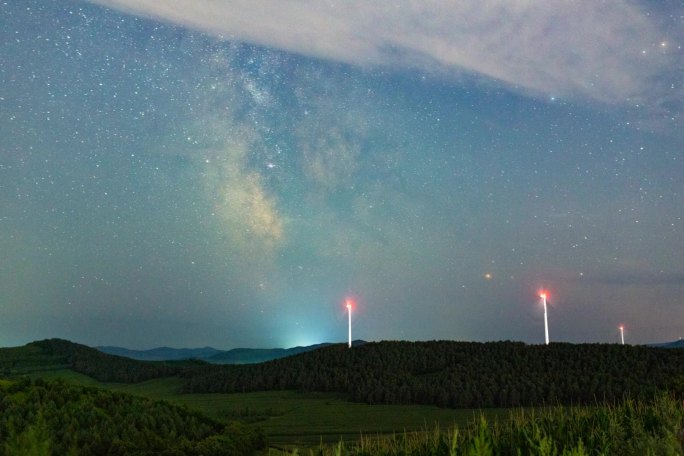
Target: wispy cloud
[{"x": 613, "y": 52}]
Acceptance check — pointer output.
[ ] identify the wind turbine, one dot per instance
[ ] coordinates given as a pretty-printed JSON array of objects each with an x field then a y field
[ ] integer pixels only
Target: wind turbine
[
  {"x": 349, "y": 311},
  {"x": 542, "y": 295}
]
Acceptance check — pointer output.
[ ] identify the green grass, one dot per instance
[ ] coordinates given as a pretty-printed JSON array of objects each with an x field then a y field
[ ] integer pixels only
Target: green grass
[
  {"x": 304, "y": 419},
  {"x": 327, "y": 424},
  {"x": 288, "y": 417},
  {"x": 629, "y": 428},
  {"x": 292, "y": 418}
]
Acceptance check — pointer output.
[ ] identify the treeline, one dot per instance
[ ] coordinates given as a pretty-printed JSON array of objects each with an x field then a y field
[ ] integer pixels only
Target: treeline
[
  {"x": 460, "y": 374},
  {"x": 27, "y": 359},
  {"x": 39, "y": 417}
]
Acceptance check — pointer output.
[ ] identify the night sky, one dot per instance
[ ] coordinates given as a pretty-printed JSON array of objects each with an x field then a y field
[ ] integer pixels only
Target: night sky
[{"x": 227, "y": 173}]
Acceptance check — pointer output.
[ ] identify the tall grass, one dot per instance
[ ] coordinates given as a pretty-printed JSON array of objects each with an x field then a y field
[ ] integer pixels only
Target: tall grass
[{"x": 627, "y": 428}]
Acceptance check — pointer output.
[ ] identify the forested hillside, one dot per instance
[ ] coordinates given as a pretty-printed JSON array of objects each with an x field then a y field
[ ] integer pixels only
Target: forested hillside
[
  {"x": 38, "y": 417},
  {"x": 59, "y": 353},
  {"x": 461, "y": 374},
  {"x": 444, "y": 373}
]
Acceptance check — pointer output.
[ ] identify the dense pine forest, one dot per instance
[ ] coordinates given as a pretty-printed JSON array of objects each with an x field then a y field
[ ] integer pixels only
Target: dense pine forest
[
  {"x": 443, "y": 373},
  {"x": 461, "y": 374}
]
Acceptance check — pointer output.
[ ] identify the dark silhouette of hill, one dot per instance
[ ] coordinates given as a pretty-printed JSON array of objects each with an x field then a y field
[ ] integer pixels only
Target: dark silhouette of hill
[
  {"x": 52, "y": 354},
  {"x": 213, "y": 355},
  {"x": 674, "y": 344},
  {"x": 162, "y": 353},
  {"x": 258, "y": 355}
]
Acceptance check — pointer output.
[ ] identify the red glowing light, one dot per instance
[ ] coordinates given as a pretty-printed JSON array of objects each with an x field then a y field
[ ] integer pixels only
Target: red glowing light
[
  {"x": 542, "y": 295},
  {"x": 349, "y": 304}
]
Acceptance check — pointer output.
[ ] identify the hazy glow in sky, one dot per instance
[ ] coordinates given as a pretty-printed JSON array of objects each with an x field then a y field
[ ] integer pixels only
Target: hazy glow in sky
[{"x": 204, "y": 172}]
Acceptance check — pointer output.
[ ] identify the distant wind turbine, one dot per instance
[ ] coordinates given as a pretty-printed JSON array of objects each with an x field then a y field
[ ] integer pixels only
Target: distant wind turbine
[
  {"x": 542, "y": 295},
  {"x": 349, "y": 311}
]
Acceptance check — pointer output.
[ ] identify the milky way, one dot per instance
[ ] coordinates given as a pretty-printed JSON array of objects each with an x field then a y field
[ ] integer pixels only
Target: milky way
[{"x": 172, "y": 176}]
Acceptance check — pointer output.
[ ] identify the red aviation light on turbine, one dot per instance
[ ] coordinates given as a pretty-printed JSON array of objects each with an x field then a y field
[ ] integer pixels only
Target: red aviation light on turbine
[
  {"x": 349, "y": 303},
  {"x": 542, "y": 295}
]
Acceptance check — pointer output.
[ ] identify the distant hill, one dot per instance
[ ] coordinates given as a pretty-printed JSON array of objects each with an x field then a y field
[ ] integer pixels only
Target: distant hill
[
  {"x": 674, "y": 344},
  {"x": 162, "y": 353},
  {"x": 258, "y": 355},
  {"x": 213, "y": 355},
  {"x": 53, "y": 354}
]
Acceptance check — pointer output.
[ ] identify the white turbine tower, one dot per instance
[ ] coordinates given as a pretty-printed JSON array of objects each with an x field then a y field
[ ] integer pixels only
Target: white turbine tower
[
  {"x": 542, "y": 295},
  {"x": 622, "y": 334},
  {"x": 349, "y": 310}
]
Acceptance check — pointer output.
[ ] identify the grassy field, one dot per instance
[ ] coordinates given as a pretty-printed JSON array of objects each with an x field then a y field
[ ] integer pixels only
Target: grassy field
[
  {"x": 295, "y": 422},
  {"x": 291, "y": 418},
  {"x": 626, "y": 428}
]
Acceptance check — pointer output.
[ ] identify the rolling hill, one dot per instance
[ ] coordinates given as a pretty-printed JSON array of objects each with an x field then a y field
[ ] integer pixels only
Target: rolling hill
[
  {"x": 54, "y": 354},
  {"x": 443, "y": 373},
  {"x": 162, "y": 353},
  {"x": 54, "y": 417},
  {"x": 213, "y": 355},
  {"x": 679, "y": 343}
]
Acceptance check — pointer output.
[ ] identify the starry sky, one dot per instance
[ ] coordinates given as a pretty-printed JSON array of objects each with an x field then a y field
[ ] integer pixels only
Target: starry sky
[{"x": 201, "y": 172}]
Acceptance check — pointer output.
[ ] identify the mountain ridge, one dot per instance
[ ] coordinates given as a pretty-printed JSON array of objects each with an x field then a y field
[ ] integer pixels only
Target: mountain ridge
[
  {"x": 679, "y": 343},
  {"x": 214, "y": 355},
  {"x": 160, "y": 353}
]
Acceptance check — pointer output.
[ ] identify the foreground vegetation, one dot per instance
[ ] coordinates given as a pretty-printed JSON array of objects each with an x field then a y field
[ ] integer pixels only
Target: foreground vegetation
[
  {"x": 53, "y": 417},
  {"x": 290, "y": 418},
  {"x": 40, "y": 417},
  {"x": 630, "y": 428}
]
